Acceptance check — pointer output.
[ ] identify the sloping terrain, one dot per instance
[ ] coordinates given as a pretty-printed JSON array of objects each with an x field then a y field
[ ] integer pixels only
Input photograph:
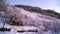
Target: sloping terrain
[
  {"x": 48, "y": 12},
  {"x": 27, "y": 18},
  {"x": 19, "y": 16}
]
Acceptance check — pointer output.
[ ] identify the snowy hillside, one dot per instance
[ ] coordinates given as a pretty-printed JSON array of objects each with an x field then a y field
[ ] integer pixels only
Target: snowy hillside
[{"x": 21, "y": 17}]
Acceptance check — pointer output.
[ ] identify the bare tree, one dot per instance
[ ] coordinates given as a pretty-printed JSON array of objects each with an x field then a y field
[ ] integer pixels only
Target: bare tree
[{"x": 2, "y": 8}]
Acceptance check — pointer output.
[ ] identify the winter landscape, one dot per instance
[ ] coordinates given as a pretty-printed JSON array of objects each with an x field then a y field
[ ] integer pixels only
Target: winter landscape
[{"x": 25, "y": 19}]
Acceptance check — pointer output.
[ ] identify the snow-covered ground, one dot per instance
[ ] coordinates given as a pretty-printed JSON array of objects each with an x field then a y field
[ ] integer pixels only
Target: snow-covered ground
[
  {"x": 31, "y": 21},
  {"x": 15, "y": 29}
]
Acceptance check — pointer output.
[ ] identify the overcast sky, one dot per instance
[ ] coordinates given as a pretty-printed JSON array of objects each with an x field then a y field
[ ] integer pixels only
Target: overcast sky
[{"x": 44, "y": 4}]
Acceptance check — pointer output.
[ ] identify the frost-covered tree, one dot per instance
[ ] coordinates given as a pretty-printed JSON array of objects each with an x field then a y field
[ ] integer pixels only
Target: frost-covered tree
[{"x": 2, "y": 10}]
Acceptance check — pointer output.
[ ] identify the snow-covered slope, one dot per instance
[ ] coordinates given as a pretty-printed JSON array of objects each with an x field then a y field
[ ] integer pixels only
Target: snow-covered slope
[
  {"x": 21, "y": 17},
  {"x": 48, "y": 12},
  {"x": 26, "y": 18}
]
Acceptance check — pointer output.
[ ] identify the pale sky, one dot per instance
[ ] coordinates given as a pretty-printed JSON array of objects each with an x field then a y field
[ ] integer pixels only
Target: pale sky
[{"x": 44, "y": 4}]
